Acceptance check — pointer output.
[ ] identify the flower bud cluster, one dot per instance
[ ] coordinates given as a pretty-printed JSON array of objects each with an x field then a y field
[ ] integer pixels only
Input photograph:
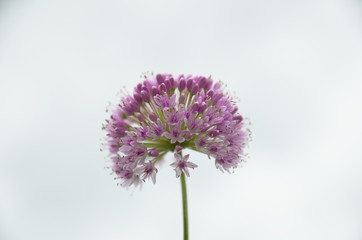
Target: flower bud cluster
[{"x": 166, "y": 114}]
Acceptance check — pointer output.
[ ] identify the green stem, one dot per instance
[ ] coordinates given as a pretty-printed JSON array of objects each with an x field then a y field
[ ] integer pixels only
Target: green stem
[{"x": 184, "y": 205}]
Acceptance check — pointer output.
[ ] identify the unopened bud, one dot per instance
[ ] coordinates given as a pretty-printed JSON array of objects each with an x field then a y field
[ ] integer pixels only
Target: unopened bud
[
  {"x": 202, "y": 82},
  {"x": 154, "y": 91},
  {"x": 202, "y": 107},
  {"x": 159, "y": 79},
  {"x": 167, "y": 84},
  {"x": 153, "y": 116},
  {"x": 178, "y": 148},
  {"x": 195, "y": 89},
  {"x": 238, "y": 118},
  {"x": 137, "y": 97},
  {"x": 153, "y": 152},
  {"x": 145, "y": 96},
  {"x": 181, "y": 85},
  {"x": 210, "y": 93},
  {"x": 140, "y": 117},
  {"x": 189, "y": 84},
  {"x": 195, "y": 107}
]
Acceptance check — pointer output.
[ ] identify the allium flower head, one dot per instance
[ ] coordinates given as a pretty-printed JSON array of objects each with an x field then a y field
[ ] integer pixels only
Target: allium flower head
[{"x": 166, "y": 114}]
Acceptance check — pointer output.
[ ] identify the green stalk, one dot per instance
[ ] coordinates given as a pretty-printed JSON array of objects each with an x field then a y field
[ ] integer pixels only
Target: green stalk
[{"x": 184, "y": 206}]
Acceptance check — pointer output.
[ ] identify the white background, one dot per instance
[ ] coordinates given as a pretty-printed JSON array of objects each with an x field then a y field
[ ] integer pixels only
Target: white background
[{"x": 295, "y": 65}]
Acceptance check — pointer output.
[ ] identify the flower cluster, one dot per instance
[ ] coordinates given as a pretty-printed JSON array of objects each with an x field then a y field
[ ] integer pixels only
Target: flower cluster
[{"x": 166, "y": 114}]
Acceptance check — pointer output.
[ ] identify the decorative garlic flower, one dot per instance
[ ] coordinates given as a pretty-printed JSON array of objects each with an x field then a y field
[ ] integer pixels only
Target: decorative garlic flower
[{"x": 164, "y": 115}]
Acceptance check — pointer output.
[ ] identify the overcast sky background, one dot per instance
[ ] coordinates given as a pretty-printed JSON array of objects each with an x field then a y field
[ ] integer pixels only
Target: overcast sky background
[{"x": 295, "y": 65}]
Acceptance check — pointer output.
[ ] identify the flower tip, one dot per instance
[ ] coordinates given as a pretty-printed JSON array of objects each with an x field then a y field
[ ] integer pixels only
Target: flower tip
[
  {"x": 182, "y": 84},
  {"x": 154, "y": 91},
  {"x": 178, "y": 148},
  {"x": 159, "y": 79},
  {"x": 153, "y": 116}
]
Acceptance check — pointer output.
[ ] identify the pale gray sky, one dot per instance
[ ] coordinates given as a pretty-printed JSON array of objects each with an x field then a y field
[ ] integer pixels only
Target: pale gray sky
[{"x": 295, "y": 65}]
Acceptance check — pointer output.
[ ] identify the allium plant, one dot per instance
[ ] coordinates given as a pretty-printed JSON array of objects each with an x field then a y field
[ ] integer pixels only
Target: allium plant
[{"x": 166, "y": 114}]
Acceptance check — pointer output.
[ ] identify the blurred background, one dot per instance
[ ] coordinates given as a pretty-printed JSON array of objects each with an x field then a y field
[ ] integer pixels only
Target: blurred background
[{"x": 295, "y": 65}]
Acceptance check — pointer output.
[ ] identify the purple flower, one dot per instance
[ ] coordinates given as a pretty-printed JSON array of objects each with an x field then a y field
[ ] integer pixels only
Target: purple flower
[
  {"x": 175, "y": 133},
  {"x": 181, "y": 164},
  {"x": 164, "y": 100},
  {"x": 166, "y": 114},
  {"x": 148, "y": 170}
]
